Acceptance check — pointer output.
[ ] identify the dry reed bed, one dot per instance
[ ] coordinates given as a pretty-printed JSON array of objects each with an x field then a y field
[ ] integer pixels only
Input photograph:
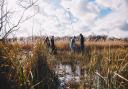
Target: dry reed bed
[
  {"x": 109, "y": 63},
  {"x": 107, "y": 60},
  {"x": 31, "y": 69},
  {"x": 64, "y": 45}
]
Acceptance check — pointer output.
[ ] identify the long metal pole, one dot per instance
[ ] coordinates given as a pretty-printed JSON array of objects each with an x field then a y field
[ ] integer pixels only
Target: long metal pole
[
  {"x": 32, "y": 28},
  {"x": 68, "y": 10}
]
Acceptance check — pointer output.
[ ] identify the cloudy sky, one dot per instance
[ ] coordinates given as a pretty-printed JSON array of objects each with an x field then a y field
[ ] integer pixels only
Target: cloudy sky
[{"x": 71, "y": 17}]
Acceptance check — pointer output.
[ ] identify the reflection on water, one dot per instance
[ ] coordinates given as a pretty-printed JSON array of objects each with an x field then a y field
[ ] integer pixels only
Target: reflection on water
[{"x": 68, "y": 73}]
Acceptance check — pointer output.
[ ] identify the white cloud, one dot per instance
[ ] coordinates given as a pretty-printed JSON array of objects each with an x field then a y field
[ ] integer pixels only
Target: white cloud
[
  {"x": 113, "y": 21},
  {"x": 53, "y": 18}
]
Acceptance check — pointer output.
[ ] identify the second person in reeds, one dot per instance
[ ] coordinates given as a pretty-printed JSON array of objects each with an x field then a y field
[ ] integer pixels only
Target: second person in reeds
[
  {"x": 47, "y": 42},
  {"x": 73, "y": 44},
  {"x": 52, "y": 45},
  {"x": 82, "y": 47}
]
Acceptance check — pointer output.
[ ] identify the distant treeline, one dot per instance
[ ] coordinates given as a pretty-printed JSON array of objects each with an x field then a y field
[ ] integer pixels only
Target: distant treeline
[{"x": 87, "y": 38}]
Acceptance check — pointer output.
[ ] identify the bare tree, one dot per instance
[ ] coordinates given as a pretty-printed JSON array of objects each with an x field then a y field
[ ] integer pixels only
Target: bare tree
[{"x": 6, "y": 25}]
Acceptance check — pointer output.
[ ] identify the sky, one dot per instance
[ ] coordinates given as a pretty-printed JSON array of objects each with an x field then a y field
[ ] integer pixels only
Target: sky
[{"x": 72, "y": 17}]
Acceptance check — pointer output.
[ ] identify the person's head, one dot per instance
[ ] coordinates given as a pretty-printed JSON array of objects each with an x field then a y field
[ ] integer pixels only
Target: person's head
[
  {"x": 74, "y": 37},
  {"x": 53, "y": 37},
  {"x": 81, "y": 34}
]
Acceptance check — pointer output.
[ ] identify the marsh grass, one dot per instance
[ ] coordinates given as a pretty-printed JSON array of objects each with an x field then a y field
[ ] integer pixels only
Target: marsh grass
[
  {"x": 31, "y": 66},
  {"x": 106, "y": 65},
  {"x": 42, "y": 74},
  {"x": 8, "y": 76}
]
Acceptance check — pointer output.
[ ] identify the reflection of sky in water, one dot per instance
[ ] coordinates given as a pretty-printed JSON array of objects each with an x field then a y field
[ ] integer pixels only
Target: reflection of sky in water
[{"x": 66, "y": 74}]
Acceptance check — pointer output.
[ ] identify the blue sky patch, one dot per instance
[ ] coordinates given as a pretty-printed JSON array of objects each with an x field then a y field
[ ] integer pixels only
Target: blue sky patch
[
  {"x": 56, "y": 3},
  {"x": 104, "y": 12}
]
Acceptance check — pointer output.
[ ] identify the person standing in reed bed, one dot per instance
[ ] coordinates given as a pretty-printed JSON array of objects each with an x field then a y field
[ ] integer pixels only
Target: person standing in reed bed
[
  {"x": 73, "y": 44},
  {"x": 82, "y": 46},
  {"x": 52, "y": 46},
  {"x": 47, "y": 42}
]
